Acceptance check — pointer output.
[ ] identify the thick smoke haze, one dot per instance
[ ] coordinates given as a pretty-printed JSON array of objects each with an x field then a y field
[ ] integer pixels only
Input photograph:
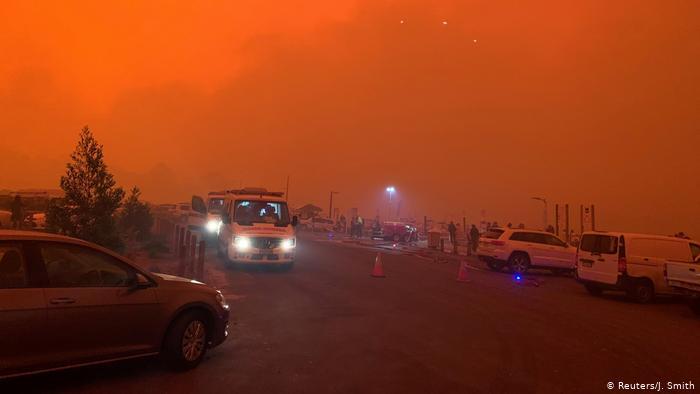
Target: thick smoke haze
[{"x": 595, "y": 102}]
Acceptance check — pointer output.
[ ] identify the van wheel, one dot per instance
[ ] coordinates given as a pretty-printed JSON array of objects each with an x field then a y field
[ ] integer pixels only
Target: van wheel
[
  {"x": 519, "y": 262},
  {"x": 186, "y": 341},
  {"x": 593, "y": 289},
  {"x": 641, "y": 291}
]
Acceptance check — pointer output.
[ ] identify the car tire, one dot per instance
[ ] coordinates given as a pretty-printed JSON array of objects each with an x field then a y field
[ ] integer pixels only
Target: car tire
[
  {"x": 186, "y": 341},
  {"x": 593, "y": 290},
  {"x": 519, "y": 262},
  {"x": 641, "y": 291}
]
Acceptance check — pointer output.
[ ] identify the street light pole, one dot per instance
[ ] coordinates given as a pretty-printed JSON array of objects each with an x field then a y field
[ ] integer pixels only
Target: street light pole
[
  {"x": 391, "y": 191},
  {"x": 544, "y": 200},
  {"x": 330, "y": 207}
]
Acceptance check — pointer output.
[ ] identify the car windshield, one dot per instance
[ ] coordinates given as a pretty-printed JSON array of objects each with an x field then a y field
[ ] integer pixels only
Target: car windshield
[
  {"x": 248, "y": 212},
  {"x": 216, "y": 205}
]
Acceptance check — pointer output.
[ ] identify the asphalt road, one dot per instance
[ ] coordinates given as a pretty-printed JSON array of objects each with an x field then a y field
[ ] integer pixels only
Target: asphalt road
[{"x": 327, "y": 326}]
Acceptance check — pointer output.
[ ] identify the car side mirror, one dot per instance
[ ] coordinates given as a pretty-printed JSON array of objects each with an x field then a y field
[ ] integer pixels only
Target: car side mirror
[
  {"x": 140, "y": 282},
  {"x": 295, "y": 221}
]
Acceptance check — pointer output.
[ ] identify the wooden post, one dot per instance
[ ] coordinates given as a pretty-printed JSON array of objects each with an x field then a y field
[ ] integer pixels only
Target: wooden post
[
  {"x": 200, "y": 261},
  {"x": 592, "y": 217},
  {"x": 566, "y": 222},
  {"x": 181, "y": 260},
  {"x": 581, "y": 214},
  {"x": 556, "y": 219},
  {"x": 425, "y": 226},
  {"x": 193, "y": 251},
  {"x": 464, "y": 225}
]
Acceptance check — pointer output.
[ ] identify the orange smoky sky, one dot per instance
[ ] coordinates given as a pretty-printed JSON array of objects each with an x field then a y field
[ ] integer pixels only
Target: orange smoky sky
[{"x": 466, "y": 106}]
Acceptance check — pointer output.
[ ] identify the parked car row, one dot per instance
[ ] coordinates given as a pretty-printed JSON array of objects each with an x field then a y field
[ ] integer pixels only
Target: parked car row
[{"x": 640, "y": 265}]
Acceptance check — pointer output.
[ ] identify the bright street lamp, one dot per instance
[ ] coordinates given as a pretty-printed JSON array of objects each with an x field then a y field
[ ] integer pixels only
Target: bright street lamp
[{"x": 391, "y": 191}]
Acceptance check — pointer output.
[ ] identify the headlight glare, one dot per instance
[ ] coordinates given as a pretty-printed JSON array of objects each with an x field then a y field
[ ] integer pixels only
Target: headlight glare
[
  {"x": 242, "y": 243},
  {"x": 287, "y": 244}
]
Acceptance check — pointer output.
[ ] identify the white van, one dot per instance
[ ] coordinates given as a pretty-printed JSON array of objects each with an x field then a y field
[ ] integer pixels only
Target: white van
[
  {"x": 630, "y": 262},
  {"x": 256, "y": 228}
]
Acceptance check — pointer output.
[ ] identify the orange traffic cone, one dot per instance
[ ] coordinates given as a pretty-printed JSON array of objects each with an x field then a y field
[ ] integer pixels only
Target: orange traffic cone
[
  {"x": 378, "y": 270},
  {"x": 462, "y": 274}
]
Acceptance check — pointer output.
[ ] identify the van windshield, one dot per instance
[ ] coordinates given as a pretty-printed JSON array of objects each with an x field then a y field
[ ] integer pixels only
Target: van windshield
[
  {"x": 216, "y": 205},
  {"x": 598, "y": 243},
  {"x": 248, "y": 212}
]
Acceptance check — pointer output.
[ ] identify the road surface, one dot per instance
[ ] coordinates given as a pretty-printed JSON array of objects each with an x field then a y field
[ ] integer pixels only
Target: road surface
[{"x": 326, "y": 326}]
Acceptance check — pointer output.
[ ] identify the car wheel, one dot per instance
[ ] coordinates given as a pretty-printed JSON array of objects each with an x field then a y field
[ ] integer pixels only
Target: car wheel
[
  {"x": 519, "y": 262},
  {"x": 186, "y": 341},
  {"x": 641, "y": 291},
  {"x": 593, "y": 289}
]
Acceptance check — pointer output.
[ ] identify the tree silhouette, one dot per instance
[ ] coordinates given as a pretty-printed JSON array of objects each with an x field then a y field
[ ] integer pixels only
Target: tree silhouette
[
  {"x": 135, "y": 219},
  {"x": 91, "y": 196}
]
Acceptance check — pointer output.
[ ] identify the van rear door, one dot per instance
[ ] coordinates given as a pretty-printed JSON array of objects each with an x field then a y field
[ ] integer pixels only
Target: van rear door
[{"x": 597, "y": 258}]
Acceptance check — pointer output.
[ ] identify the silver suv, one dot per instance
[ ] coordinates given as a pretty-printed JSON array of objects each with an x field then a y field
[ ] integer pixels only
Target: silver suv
[{"x": 520, "y": 250}]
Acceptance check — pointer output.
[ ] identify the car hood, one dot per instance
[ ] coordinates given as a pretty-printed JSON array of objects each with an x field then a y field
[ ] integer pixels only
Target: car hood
[{"x": 176, "y": 279}]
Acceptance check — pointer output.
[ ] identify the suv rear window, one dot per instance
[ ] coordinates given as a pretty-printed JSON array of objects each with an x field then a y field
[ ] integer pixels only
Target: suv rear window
[
  {"x": 493, "y": 233},
  {"x": 599, "y": 243}
]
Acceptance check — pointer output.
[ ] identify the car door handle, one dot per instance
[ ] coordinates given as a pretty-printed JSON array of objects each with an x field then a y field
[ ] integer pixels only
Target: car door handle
[{"x": 62, "y": 301}]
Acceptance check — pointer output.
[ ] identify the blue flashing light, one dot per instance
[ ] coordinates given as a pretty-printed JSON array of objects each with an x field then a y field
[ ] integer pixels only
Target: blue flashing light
[{"x": 518, "y": 277}]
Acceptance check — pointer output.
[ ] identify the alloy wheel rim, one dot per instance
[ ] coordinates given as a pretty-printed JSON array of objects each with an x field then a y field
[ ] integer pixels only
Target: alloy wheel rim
[{"x": 193, "y": 340}]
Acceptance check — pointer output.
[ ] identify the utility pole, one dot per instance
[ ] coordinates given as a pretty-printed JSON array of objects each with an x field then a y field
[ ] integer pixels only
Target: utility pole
[
  {"x": 330, "y": 207},
  {"x": 556, "y": 219},
  {"x": 592, "y": 217},
  {"x": 286, "y": 193},
  {"x": 566, "y": 222},
  {"x": 544, "y": 200}
]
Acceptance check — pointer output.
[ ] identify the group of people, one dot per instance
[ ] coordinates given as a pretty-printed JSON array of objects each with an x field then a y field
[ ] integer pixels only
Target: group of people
[
  {"x": 472, "y": 237},
  {"x": 357, "y": 226}
]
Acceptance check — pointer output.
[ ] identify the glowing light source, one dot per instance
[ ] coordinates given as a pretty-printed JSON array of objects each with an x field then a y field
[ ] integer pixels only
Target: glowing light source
[
  {"x": 287, "y": 244},
  {"x": 444, "y": 22},
  {"x": 242, "y": 243}
]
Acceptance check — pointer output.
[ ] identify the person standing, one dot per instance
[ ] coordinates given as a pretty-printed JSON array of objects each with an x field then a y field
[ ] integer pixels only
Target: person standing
[
  {"x": 474, "y": 238},
  {"x": 17, "y": 213},
  {"x": 360, "y": 226},
  {"x": 452, "y": 230}
]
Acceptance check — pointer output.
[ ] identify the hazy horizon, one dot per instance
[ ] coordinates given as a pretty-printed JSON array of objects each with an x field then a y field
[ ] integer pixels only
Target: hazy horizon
[{"x": 592, "y": 103}]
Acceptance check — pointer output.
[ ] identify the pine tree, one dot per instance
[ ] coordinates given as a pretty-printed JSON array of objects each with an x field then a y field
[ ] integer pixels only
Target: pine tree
[
  {"x": 135, "y": 219},
  {"x": 91, "y": 196}
]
